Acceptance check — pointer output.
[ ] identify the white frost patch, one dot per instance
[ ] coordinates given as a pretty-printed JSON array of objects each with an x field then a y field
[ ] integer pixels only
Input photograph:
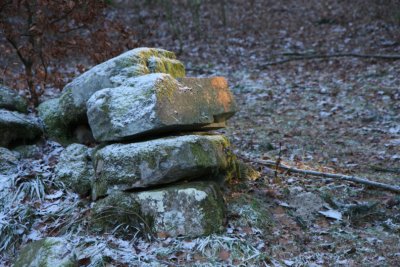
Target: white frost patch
[
  {"x": 198, "y": 195},
  {"x": 333, "y": 214},
  {"x": 154, "y": 199}
]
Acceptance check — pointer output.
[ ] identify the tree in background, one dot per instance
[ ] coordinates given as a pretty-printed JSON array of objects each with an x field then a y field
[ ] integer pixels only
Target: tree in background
[{"x": 42, "y": 33}]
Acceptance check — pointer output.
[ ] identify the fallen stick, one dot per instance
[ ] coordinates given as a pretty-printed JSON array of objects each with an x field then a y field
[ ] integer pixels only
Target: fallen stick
[{"x": 271, "y": 163}]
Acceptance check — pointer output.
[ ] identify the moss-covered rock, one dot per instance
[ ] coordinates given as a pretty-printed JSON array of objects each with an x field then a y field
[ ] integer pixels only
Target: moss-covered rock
[
  {"x": 191, "y": 209},
  {"x": 57, "y": 128},
  {"x": 75, "y": 168},
  {"x": 18, "y": 128},
  {"x": 158, "y": 103},
  {"x": 48, "y": 252},
  {"x": 246, "y": 172},
  {"x": 54, "y": 124},
  {"x": 159, "y": 161},
  {"x": 113, "y": 73},
  {"x": 10, "y": 100}
]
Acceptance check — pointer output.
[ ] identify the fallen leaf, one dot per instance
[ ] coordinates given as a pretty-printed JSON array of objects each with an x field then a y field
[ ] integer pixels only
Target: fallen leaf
[
  {"x": 224, "y": 255},
  {"x": 162, "y": 235},
  {"x": 333, "y": 214}
]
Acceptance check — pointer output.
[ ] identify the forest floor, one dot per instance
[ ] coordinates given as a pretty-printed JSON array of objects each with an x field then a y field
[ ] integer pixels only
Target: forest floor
[
  {"x": 320, "y": 116},
  {"x": 334, "y": 115}
]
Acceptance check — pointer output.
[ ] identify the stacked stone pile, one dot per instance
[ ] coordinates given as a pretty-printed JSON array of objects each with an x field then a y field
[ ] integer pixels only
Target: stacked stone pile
[{"x": 151, "y": 171}]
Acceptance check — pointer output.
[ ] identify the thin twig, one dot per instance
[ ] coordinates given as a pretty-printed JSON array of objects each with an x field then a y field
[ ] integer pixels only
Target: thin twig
[
  {"x": 271, "y": 163},
  {"x": 278, "y": 161},
  {"x": 301, "y": 56}
]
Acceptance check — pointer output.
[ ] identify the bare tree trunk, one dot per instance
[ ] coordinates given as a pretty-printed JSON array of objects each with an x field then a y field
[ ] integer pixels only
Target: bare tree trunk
[{"x": 31, "y": 84}]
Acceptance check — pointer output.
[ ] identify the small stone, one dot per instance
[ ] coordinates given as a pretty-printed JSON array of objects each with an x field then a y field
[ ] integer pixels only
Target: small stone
[
  {"x": 306, "y": 204},
  {"x": 48, "y": 252},
  {"x": 75, "y": 168},
  {"x": 192, "y": 209},
  {"x": 160, "y": 161},
  {"x": 29, "y": 151},
  {"x": 18, "y": 128}
]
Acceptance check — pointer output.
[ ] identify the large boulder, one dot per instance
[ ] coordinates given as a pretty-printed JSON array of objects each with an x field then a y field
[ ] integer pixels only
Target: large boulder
[
  {"x": 113, "y": 73},
  {"x": 9, "y": 99},
  {"x": 48, "y": 252},
  {"x": 160, "y": 161},
  {"x": 57, "y": 128},
  {"x": 17, "y": 128},
  {"x": 191, "y": 209},
  {"x": 158, "y": 103},
  {"x": 75, "y": 168}
]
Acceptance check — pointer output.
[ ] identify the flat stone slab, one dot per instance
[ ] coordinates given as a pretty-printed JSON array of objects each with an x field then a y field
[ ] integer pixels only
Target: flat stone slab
[
  {"x": 121, "y": 167},
  {"x": 158, "y": 103},
  {"x": 16, "y": 127},
  {"x": 9, "y": 99},
  {"x": 192, "y": 209},
  {"x": 113, "y": 73}
]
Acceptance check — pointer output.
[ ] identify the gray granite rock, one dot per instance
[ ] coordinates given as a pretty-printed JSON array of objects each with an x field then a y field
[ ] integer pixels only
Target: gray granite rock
[
  {"x": 158, "y": 103},
  {"x": 56, "y": 127},
  {"x": 191, "y": 209},
  {"x": 113, "y": 73},
  {"x": 10, "y": 100},
  {"x": 53, "y": 120},
  {"x": 160, "y": 161},
  {"x": 75, "y": 168},
  {"x": 16, "y": 127}
]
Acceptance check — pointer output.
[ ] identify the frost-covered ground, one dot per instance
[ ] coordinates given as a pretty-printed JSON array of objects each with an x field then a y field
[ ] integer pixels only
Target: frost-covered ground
[
  {"x": 314, "y": 120},
  {"x": 332, "y": 119}
]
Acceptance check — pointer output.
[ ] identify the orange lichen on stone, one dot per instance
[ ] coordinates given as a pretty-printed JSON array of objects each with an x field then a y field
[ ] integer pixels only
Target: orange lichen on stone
[
  {"x": 223, "y": 95},
  {"x": 219, "y": 82}
]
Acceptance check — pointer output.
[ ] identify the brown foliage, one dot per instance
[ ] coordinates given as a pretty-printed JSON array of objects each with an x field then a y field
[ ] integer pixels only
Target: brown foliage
[{"x": 43, "y": 33}]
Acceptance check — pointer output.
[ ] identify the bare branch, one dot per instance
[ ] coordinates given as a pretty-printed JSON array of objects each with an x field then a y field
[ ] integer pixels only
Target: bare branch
[
  {"x": 15, "y": 46},
  {"x": 360, "y": 180}
]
